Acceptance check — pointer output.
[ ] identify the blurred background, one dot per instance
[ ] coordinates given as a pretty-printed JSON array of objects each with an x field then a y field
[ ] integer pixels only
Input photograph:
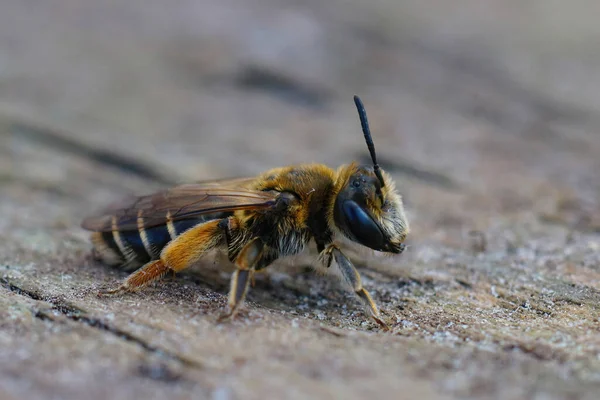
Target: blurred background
[
  {"x": 485, "y": 112},
  {"x": 484, "y": 104}
]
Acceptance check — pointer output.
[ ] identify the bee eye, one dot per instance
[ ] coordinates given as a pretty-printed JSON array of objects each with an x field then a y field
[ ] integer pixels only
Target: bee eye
[{"x": 362, "y": 226}]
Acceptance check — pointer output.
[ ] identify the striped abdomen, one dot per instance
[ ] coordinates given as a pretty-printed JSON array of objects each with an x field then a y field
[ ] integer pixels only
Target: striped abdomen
[{"x": 133, "y": 248}]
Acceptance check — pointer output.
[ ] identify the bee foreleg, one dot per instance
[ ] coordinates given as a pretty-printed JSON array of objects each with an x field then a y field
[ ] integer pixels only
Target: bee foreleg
[
  {"x": 246, "y": 262},
  {"x": 326, "y": 255},
  {"x": 352, "y": 277}
]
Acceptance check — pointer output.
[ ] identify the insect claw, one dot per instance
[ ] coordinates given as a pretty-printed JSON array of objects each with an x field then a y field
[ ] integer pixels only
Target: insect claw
[
  {"x": 227, "y": 316},
  {"x": 381, "y": 323},
  {"x": 113, "y": 292}
]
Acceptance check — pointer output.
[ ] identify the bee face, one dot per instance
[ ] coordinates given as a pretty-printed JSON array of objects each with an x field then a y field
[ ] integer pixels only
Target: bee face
[{"x": 367, "y": 212}]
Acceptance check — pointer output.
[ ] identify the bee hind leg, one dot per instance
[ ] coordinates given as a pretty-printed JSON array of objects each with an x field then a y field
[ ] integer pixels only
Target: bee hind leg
[
  {"x": 150, "y": 272},
  {"x": 179, "y": 254},
  {"x": 246, "y": 263},
  {"x": 352, "y": 277}
]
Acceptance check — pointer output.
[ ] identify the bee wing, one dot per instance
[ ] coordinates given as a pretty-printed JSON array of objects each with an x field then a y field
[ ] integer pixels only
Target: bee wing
[
  {"x": 227, "y": 183},
  {"x": 181, "y": 202}
]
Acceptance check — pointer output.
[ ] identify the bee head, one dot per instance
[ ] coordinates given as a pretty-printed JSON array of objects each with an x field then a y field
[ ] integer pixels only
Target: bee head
[
  {"x": 366, "y": 211},
  {"x": 366, "y": 208}
]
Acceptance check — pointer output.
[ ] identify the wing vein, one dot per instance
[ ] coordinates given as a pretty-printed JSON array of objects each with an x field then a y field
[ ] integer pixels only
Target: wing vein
[{"x": 188, "y": 200}]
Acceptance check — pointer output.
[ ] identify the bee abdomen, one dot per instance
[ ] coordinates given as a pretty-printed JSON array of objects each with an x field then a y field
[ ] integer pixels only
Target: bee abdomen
[{"x": 132, "y": 248}]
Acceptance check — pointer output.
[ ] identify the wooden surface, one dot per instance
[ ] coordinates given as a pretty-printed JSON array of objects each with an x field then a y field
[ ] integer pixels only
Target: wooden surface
[{"x": 488, "y": 120}]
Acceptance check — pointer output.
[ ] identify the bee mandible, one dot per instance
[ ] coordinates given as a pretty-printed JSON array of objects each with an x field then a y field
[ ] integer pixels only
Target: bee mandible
[{"x": 256, "y": 220}]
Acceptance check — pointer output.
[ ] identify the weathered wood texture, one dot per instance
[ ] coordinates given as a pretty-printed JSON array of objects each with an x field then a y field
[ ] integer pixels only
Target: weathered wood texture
[{"x": 488, "y": 117}]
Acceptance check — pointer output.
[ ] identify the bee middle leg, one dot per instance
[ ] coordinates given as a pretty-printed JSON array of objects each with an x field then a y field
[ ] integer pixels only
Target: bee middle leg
[
  {"x": 352, "y": 277},
  {"x": 246, "y": 263}
]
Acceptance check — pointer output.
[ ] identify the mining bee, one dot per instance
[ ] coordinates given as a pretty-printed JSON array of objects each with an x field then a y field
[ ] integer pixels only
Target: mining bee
[{"x": 256, "y": 220}]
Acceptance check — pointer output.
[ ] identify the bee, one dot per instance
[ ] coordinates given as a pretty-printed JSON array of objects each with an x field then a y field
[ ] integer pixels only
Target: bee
[{"x": 256, "y": 220}]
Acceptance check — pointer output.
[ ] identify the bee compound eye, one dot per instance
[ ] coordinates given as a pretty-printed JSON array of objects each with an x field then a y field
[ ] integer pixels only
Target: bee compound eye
[{"x": 362, "y": 226}]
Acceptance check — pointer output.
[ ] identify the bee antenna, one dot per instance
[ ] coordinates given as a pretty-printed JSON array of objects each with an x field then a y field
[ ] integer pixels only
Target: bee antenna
[{"x": 367, "y": 132}]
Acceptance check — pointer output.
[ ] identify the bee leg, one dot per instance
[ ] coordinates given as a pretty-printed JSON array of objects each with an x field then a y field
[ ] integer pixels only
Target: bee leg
[
  {"x": 246, "y": 262},
  {"x": 190, "y": 246},
  {"x": 352, "y": 277},
  {"x": 152, "y": 271},
  {"x": 179, "y": 254}
]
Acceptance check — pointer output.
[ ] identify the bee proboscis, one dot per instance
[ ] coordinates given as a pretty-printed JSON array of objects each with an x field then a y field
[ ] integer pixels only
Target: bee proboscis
[{"x": 256, "y": 220}]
